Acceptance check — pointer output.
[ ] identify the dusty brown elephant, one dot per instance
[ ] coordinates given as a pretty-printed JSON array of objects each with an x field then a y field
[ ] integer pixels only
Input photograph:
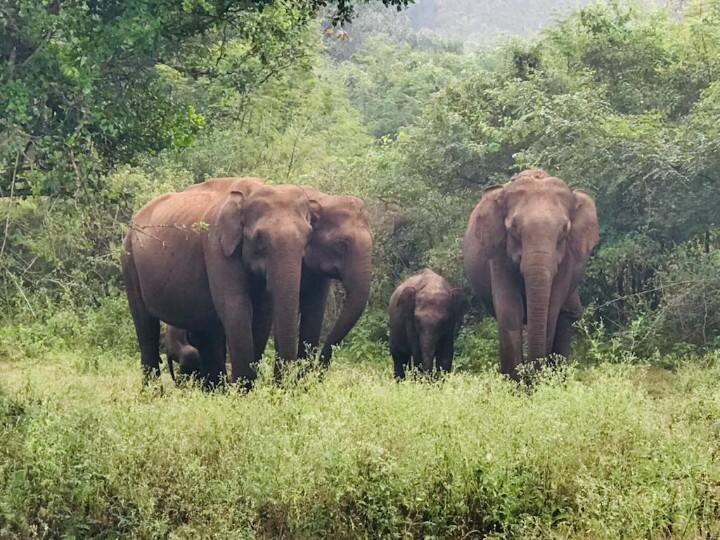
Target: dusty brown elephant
[
  {"x": 340, "y": 248},
  {"x": 178, "y": 349},
  {"x": 425, "y": 313},
  {"x": 525, "y": 251},
  {"x": 222, "y": 264}
]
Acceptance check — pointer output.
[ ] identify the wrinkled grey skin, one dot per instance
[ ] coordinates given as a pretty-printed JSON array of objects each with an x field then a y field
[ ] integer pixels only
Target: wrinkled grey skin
[
  {"x": 180, "y": 350},
  {"x": 224, "y": 264},
  {"x": 424, "y": 315},
  {"x": 525, "y": 251},
  {"x": 340, "y": 248}
]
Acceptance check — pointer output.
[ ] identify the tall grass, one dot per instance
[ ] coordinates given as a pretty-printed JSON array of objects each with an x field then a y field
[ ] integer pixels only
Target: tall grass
[{"x": 606, "y": 452}]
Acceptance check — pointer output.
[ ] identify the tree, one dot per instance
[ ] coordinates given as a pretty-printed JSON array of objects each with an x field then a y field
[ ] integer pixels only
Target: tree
[{"x": 82, "y": 87}]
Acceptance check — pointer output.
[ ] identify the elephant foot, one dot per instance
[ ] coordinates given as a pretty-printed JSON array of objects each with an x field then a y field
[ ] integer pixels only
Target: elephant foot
[{"x": 151, "y": 374}]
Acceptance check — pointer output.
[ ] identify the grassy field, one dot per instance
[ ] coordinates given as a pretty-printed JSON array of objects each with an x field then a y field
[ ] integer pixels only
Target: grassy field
[{"x": 604, "y": 452}]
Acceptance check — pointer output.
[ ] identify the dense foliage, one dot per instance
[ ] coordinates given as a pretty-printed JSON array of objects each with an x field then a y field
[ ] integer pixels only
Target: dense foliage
[
  {"x": 102, "y": 110},
  {"x": 86, "y": 86},
  {"x": 104, "y": 107},
  {"x": 620, "y": 102}
]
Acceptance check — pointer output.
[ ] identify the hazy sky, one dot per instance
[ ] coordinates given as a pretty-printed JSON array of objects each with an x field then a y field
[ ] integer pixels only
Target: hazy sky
[{"x": 481, "y": 21}]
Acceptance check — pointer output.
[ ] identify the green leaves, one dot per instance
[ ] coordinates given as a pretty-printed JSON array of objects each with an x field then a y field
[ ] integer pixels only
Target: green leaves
[{"x": 84, "y": 72}]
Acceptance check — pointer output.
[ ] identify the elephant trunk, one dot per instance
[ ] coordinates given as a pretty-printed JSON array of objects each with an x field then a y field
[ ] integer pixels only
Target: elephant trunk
[
  {"x": 284, "y": 287},
  {"x": 427, "y": 350},
  {"x": 356, "y": 281},
  {"x": 171, "y": 369},
  {"x": 537, "y": 272}
]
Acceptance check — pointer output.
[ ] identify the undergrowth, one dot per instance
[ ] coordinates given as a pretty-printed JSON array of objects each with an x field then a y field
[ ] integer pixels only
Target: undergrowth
[{"x": 615, "y": 450}]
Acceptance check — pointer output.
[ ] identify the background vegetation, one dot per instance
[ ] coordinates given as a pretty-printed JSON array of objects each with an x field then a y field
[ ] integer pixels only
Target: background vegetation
[{"x": 104, "y": 105}]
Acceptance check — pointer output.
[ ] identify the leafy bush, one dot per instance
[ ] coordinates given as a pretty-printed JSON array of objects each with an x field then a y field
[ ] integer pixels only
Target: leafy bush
[
  {"x": 690, "y": 308},
  {"x": 414, "y": 126}
]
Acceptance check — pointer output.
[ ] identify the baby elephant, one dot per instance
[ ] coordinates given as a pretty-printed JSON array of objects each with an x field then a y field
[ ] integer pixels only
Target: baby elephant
[
  {"x": 424, "y": 314},
  {"x": 179, "y": 349}
]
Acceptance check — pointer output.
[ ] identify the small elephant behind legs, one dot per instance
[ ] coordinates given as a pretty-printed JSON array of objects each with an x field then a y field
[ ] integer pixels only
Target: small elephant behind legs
[
  {"x": 179, "y": 349},
  {"x": 424, "y": 315}
]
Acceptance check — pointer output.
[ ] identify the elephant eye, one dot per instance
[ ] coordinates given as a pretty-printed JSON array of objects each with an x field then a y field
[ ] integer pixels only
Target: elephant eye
[
  {"x": 340, "y": 246},
  {"x": 564, "y": 233},
  {"x": 259, "y": 242},
  {"x": 562, "y": 236}
]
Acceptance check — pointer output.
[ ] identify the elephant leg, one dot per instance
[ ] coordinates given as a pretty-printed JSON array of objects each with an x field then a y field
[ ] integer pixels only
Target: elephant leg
[
  {"x": 313, "y": 297},
  {"x": 509, "y": 312},
  {"x": 237, "y": 323},
  {"x": 446, "y": 352},
  {"x": 400, "y": 361},
  {"x": 211, "y": 346},
  {"x": 570, "y": 312},
  {"x": 415, "y": 349},
  {"x": 147, "y": 327},
  {"x": 233, "y": 304},
  {"x": 261, "y": 322}
]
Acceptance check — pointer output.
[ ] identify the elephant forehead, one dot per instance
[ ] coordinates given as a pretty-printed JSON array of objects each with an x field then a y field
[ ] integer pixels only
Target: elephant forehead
[
  {"x": 434, "y": 297},
  {"x": 534, "y": 186},
  {"x": 277, "y": 200},
  {"x": 337, "y": 211},
  {"x": 280, "y": 192},
  {"x": 431, "y": 315},
  {"x": 327, "y": 229}
]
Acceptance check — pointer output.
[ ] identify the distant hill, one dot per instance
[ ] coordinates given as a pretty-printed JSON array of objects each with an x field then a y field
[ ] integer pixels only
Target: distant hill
[{"x": 472, "y": 22}]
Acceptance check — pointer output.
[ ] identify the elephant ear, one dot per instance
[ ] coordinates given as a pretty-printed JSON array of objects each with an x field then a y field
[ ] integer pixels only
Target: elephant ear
[
  {"x": 230, "y": 223},
  {"x": 460, "y": 305},
  {"x": 407, "y": 299},
  {"x": 490, "y": 219},
  {"x": 584, "y": 232},
  {"x": 315, "y": 211}
]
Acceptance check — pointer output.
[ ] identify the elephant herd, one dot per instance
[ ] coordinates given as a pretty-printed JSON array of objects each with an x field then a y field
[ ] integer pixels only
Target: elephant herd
[{"x": 228, "y": 261}]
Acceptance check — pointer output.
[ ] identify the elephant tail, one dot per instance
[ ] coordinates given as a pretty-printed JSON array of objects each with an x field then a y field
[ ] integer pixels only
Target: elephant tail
[{"x": 171, "y": 369}]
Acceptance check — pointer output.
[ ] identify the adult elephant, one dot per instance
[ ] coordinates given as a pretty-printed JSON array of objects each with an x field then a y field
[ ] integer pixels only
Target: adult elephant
[
  {"x": 340, "y": 248},
  {"x": 220, "y": 264},
  {"x": 525, "y": 251}
]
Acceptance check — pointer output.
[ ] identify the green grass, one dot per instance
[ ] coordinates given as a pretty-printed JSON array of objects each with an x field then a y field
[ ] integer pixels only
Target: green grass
[{"x": 604, "y": 452}]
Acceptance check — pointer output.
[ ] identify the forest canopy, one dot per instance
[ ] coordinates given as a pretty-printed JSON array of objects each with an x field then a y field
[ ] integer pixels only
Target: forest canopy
[
  {"x": 104, "y": 105},
  {"x": 86, "y": 86}
]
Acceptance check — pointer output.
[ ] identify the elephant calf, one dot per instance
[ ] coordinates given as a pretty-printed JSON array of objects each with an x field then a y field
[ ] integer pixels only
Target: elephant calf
[
  {"x": 424, "y": 314},
  {"x": 178, "y": 348}
]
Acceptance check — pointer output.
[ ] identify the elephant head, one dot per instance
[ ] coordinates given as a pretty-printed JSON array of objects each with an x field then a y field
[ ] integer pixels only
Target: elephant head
[
  {"x": 434, "y": 311},
  {"x": 341, "y": 248},
  {"x": 542, "y": 227},
  {"x": 175, "y": 342},
  {"x": 270, "y": 226}
]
